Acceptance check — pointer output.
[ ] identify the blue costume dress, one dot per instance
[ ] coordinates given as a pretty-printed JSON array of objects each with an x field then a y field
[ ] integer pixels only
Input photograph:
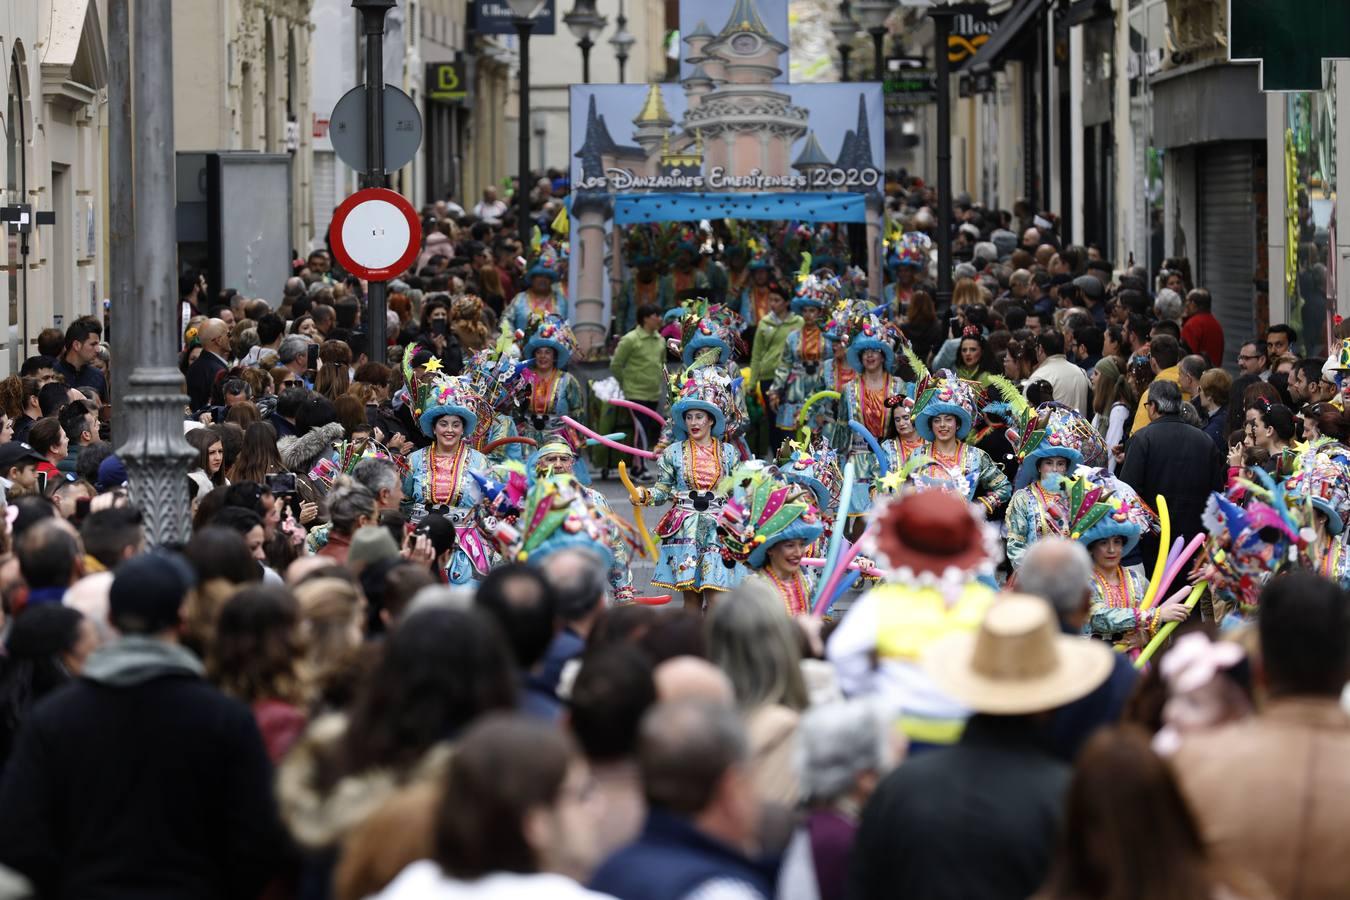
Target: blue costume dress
[
  {"x": 691, "y": 552},
  {"x": 1034, "y": 513},
  {"x": 545, "y": 404},
  {"x": 454, "y": 488},
  {"x": 1114, "y": 615},
  {"x": 798, "y": 376},
  {"x": 877, "y": 418},
  {"x": 836, "y": 376},
  {"x": 524, "y": 305},
  {"x": 503, "y": 427},
  {"x": 992, "y": 489},
  {"x": 620, "y": 572}
]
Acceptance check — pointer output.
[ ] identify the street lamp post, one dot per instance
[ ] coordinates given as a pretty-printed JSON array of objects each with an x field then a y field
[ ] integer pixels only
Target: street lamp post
[
  {"x": 845, "y": 29},
  {"x": 148, "y": 329},
  {"x": 942, "y": 15},
  {"x": 585, "y": 24},
  {"x": 622, "y": 41},
  {"x": 372, "y": 25},
  {"x": 873, "y": 15},
  {"x": 524, "y": 12}
]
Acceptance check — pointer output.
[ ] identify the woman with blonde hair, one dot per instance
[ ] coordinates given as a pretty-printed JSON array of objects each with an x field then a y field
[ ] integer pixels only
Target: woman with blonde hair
[
  {"x": 466, "y": 321},
  {"x": 967, "y": 293},
  {"x": 332, "y": 619},
  {"x": 753, "y": 640}
]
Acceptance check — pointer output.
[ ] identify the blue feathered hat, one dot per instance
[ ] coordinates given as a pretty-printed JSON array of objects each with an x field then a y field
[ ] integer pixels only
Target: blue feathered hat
[
  {"x": 550, "y": 331},
  {"x": 942, "y": 393},
  {"x": 1096, "y": 513},
  {"x": 447, "y": 396},
  {"x": 1056, "y": 431},
  {"x": 704, "y": 388},
  {"x": 868, "y": 331},
  {"x": 763, "y": 509},
  {"x": 816, "y": 292},
  {"x": 548, "y": 263},
  {"x": 559, "y": 515},
  {"x": 816, "y": 468},
  {"x": 707, "y": 325}
]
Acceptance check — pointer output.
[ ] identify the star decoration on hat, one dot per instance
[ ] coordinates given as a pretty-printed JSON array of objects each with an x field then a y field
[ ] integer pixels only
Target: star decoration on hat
[{"x": 433, "y": 365}]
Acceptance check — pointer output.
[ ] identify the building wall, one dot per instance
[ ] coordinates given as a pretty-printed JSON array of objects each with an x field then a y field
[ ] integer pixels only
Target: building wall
[
  {"x": 241, "y": 71},
  {"x": 556, "y": 63},
  {"x": 58, "y": 166}
]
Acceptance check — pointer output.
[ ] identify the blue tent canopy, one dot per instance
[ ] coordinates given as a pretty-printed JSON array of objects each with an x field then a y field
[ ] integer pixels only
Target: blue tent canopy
[{"x": 677, "y": 207}]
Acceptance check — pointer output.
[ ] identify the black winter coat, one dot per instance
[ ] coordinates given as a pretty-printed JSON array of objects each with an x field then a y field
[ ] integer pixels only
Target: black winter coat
[{"x": 158, "y": 790}]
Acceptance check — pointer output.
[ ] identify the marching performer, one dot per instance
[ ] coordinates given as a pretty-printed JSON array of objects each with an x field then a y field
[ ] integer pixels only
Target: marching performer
[
  {"x": 1104, "y": 523},
  {"x": 871, "y": 353},
  {"x": 943, "y": 413},
  {"x": 1051, "y": 447},
  {"x": 546, "y": 391},
  {"x": 688, "y": 474},
  {"x": 440, "y": 476},
  {"x": 801, "y": 370},
  {"x": 543, "y": 296},
  {"x": 768, "y": 523},
  {"x": 555, "y": 457}
]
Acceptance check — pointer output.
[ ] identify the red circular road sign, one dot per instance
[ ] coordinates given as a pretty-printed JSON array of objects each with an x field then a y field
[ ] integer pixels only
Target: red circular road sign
[{"x": 376, "y": 234}]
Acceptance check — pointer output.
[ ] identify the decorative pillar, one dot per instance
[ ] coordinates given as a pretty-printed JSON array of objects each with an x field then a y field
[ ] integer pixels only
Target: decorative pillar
[{"x": 155, "y": 454}]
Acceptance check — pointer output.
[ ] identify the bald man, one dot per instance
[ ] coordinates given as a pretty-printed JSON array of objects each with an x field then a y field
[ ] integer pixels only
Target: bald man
[
  {"x": 214, "y": 336},
  {"x": 691, "y": 678}
]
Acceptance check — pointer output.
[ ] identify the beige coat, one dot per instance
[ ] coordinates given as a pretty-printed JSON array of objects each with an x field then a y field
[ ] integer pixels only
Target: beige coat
[{"x": 1271, "y": 792}]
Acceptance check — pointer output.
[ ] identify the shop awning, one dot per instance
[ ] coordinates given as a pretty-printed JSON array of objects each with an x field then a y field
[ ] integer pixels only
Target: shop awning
[{"x": 1022, "y": 16}]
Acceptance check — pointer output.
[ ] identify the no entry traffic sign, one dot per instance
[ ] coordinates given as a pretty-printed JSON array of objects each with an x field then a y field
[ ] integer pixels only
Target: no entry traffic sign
[{"x": 376, "y": 234}]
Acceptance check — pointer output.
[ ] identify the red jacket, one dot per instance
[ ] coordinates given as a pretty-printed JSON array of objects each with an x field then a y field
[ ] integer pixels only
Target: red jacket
[{"x": 1203, "y": 334}]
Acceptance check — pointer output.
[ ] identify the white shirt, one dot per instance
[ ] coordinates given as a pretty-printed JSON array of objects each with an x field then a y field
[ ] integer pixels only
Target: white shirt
[
  {"x": 424, "y": 880},
  {"x": 494, "y": 210},
  {"x": 1067, "y": 381}
]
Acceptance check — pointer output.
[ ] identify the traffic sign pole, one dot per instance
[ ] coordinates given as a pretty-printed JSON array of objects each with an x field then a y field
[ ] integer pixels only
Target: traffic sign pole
[{"x": 373, "y": 13}]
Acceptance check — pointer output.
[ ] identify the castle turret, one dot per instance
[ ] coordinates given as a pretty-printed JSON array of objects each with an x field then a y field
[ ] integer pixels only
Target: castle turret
[
  {"x": 812, "y": 156},
  {"x": 653, "y": 122}
]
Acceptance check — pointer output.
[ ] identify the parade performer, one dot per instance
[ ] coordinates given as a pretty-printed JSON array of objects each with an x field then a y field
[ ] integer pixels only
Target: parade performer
[
  {"x": 871, "y": 353},
  {"x": 815, "y": 467},
  {"x": 1249, "y": 544},
  {"x": 543, "y": 296},
  {"x": 688, "y": 474},
  {"x": 554, "y": 457},
  {"x": 685, "y": 280},
  {"x": 640, "y": 289},
  {"x": 768, "y": 523},
  {"x": 754, "y": 298},
  {"x": 801, "y": 369},
  {"x": 831, "y": 416},
  {"x": 908, "y": 265},
  {"x": 710, "y": 339},
  {"x": 546, "y": 391},
  {"x": 944, "y": 410},
  {"x": 1319, "y": 491},
  {"x": 560, "y": 513},
  {"x": 440, "y": 476},
  {"x": 1050, "y": 446},
  {"x": 497, "y": 369},
  {"x": 1104, "y": 523},
  {"x": 907, "y": 443},
  {"x": 938, "y": 555}
]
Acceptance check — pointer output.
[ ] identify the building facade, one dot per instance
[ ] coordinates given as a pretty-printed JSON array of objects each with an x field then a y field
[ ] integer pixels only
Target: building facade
[
  {"x": 54, "y": 83},
  {"x": 242, "y": 83}
]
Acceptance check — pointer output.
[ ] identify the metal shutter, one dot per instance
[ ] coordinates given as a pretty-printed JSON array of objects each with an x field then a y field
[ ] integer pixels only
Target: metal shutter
[
  {"x": 325, "y": 193},
  {"x": 1227, "y": 226}
]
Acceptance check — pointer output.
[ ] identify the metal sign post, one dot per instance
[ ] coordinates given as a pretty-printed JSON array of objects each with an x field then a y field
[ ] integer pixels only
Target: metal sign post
[{"x": 372, "y": 15}]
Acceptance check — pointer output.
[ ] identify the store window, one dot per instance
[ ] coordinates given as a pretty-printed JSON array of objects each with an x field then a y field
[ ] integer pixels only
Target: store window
[{"x": 1310, "y": 216}]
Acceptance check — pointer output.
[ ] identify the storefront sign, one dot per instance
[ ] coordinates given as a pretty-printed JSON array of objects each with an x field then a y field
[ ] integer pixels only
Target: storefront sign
[
  {"x": 448, "y": 82},
  {"x": 970, "y": 32},
  {"x": 495, "y": 17},
  {"x": 910, "y": 87}
]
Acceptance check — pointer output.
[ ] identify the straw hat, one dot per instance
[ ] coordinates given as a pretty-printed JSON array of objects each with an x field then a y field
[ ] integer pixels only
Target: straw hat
[{"x": 1018, "y": 662}]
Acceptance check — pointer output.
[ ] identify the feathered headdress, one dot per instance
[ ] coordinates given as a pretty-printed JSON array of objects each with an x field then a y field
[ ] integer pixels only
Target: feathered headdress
[
  {"x": 549, "y": 331},
  {"x": 1055, "y": 430},
  {"x": 1095, "y": 513},
  {"x": 559, "y": 514},
  {"x": 706, "y": 325},
  {"x": 1249, "y": 544},
  {"x": 942, "y": 393},
  {"x": 764, "y": 509}
]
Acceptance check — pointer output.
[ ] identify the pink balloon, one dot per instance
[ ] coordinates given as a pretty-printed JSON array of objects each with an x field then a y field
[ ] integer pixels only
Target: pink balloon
[
  {"x": 606, "y": 442},
  {"x": 639, "y": 408}
]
